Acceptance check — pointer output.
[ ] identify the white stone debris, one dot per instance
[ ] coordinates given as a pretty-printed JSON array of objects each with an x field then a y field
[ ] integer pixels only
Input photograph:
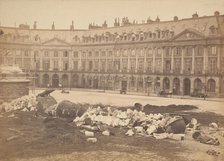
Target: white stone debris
[
  {"x": 24, "y": 103},
  {"x": 130, "y": 132},
  {"x": 118, "y": 118},
  {"x": 106, "y": 133},
  {"x": 89, "y": 133},
  {"x": 91, "y": 140}
]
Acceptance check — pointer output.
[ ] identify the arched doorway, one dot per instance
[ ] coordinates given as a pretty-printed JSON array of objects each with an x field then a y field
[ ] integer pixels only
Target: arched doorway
[
  {"x": 166, "y": 83},
  {"x": 45, "y": 80},
  {"x": 187, "y": 86},
  {"x": 157, "y": 84},
  {"x": 89, "y": 83},
  {"x": 140, "y": 84},
  {"x": 64, "y": 80},
  {"x": 55, "y": 80},
  {"x": 211, "y": 85},
  {"x": 176, "y": 86},
  {"x": 109, "y": 83},
  {"x": 198, "y": 86},
  {"x": 83, "y": 83},
  {"x": 95, "y": 82},
  {"x": 75, "y": 80},
  {"x": 37, "y": 80},
  {"x": 116, "y": 83},
  {"x": 223, "y": 86},
  {"x": 102, "y": 82},
  {"x": 132, "y": 83}
]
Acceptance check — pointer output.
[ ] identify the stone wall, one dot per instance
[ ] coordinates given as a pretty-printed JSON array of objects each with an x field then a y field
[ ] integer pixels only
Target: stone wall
[{"x": 13, "y": 90}]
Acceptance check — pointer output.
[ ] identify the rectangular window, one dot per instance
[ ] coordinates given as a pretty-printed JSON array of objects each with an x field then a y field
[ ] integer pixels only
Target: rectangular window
[
  {"x": 75, "y": 65},
  {"x": 132, "y": 64},
  {"x": 214, "y": 50},
  {"x": 110, "y": 54},
  {"x": 96, "y": 54},
  {"x": 56, "y": 65},
  {"x": 26, "y": 63},
  {"x": 46, "y": 64},
  {"x": 90, "y": 54},
  {"x": 177, "y": 52},
  {"x": 125, "y": 64},
  {"x": 46, "y": 54},
  {"x": 150, "y": 53},
  {"x": 83, "y": 54},
  {"x": 187, "y": 64},
  {"x": 65, "y": 65},
  {"x": 110, "y": 65},
  {"x": 140, "y": 65},
  {"x": 149, "y": 65},
  {"x": 212, "y": 64},
  {"x": 65, "y": 54},
  {"x": 159, "y": 52},
  {"x": 103, "y": 54},
  {"x": 158, "y": 65},
  {"x": 103, "y": 65},
  {"x": 189, "y": 51},
  {"x": 75, "y": 54},
  {"x": 83, "y": 66},
  {"x": 199, "y": 51},
  {"x": 96, "y": 63},
  {"x": 37, "y": 64},
  {"x": 55, "y": 53},
  {"x": 198, "y": 65},
  {"x": 167, "y": 52},
  {"x": 177, "y": 65},
  {"x": 26, "y": 53}
]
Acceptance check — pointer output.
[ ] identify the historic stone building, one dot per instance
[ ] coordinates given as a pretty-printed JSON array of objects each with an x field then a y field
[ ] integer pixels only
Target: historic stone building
[{"x": 182, "y": 55}]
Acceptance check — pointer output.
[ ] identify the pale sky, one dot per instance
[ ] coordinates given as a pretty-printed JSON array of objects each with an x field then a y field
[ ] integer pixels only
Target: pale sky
[{"x": 83, "y": 12}]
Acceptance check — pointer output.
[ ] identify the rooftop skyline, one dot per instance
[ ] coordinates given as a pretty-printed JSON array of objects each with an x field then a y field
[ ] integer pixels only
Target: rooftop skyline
[{"x": 84, "y": 12}]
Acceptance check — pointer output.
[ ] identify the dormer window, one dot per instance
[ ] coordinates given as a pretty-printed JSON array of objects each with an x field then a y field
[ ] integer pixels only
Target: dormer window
[
  {"x": 65, "y": 54},
  {"x": 125, "y": 37},
  {"x": 150, "y": 35},
  {"x": 212, "y": 29},
  {"x": 133, "y": 37},
  {"x": 141, "y": 37}
]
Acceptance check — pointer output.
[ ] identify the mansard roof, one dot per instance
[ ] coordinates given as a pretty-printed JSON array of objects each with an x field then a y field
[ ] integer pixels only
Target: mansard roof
[{"x": 199, "y": 27}]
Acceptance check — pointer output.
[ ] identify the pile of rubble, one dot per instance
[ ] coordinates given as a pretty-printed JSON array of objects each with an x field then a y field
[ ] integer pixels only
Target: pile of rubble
[
  {"x": 25, "y": 103},
  {"x": 138, "y": 123},
  {"x": 135, "y": 122}
]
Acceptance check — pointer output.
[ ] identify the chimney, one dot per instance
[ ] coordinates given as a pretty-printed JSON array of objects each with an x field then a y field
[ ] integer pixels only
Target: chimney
[
  {"x": 35, "y": 25},
  {"x": 175, "y": 18},
  {"x": 53, "y": 27},
  {"x": 157, "y": 19},
  {"x": 216, "y": 13},
  {"x": 195, "y": 15},
  {"x": 72, "y": 26}
]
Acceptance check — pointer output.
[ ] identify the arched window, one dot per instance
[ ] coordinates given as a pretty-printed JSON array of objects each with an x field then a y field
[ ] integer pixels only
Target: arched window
[{"x": 211, "y": 85}]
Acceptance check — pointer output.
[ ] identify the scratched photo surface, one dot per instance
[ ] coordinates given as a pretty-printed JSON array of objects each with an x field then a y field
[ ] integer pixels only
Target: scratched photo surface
[{"x": 111, "y": 80}]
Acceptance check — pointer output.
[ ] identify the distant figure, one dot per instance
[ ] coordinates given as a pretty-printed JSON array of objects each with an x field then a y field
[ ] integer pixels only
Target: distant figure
[
  {"x": 48, "y": 85},
  {"x": 60, "y": 86}
]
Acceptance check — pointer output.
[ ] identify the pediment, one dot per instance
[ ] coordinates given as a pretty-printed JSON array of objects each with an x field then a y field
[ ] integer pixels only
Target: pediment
[
  {"x": 188, "y": 34},
  {"x": 55, "y": 42}
]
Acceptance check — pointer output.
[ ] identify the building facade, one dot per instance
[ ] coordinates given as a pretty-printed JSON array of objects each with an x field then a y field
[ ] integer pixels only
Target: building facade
[{"x": 183, "y": 56}]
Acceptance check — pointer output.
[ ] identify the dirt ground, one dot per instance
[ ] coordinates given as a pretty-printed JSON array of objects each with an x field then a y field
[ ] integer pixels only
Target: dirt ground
[{"x": 27, "y": 137}]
